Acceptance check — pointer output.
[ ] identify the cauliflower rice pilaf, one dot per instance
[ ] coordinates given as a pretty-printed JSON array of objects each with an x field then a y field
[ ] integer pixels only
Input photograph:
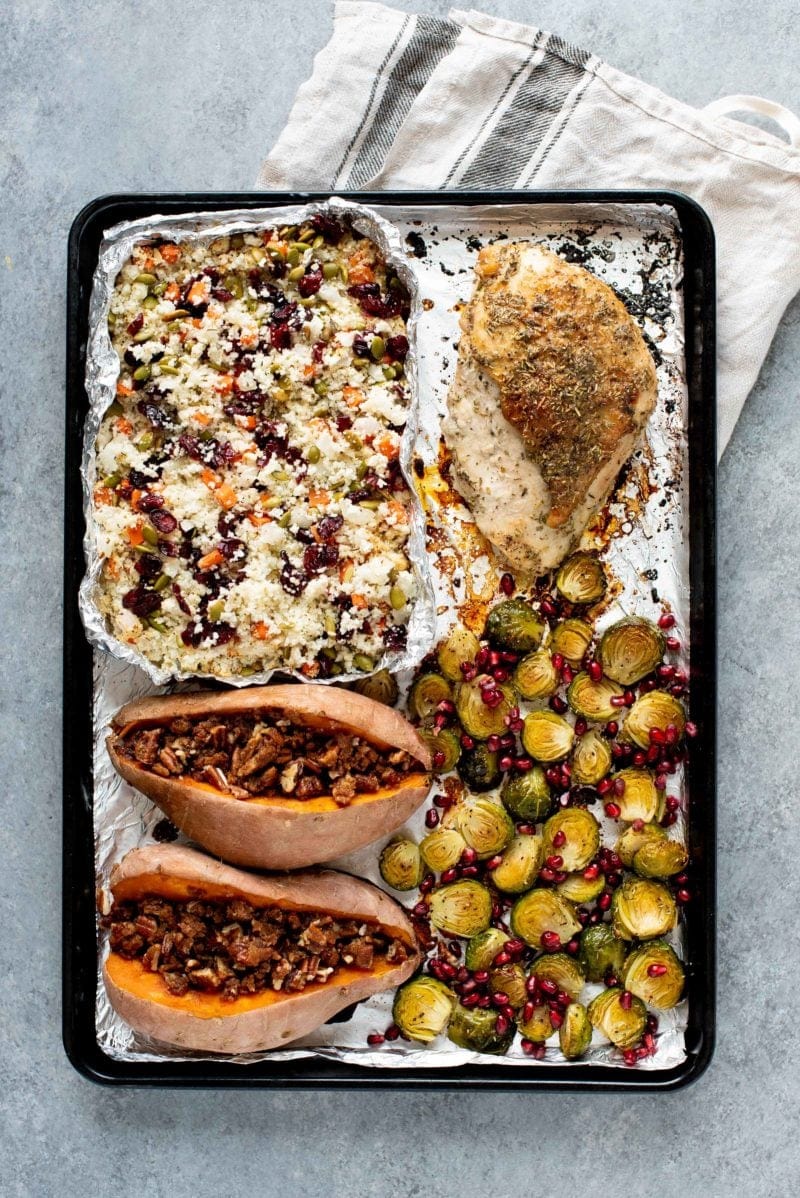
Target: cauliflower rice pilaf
[{"x": 249, "y": 505}]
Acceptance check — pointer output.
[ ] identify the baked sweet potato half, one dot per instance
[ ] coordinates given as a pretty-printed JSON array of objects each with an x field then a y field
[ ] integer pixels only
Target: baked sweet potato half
[
  {"x": 274, "y": 777},
  {"x": 213, "y": 959}
]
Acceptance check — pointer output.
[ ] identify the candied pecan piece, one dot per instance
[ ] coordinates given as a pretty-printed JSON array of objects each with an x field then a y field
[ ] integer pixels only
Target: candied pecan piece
[{"x": 145, "y": 745}]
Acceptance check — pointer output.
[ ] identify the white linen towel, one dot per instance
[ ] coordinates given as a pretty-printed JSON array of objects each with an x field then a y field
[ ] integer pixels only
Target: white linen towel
[{"x": 471, "y": 102}]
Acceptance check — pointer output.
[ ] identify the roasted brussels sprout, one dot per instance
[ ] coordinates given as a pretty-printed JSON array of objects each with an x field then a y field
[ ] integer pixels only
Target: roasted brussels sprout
[
  {"x": 509, "y": 979},
  {"x": 400, "y": 864},
  {"x": 478, "y": 768},
  {"x": 655, "y": 975},
  {"x": 656, "y": 709},
  {"x": 561, "y": 969},
  {"x": 514, "y": 625},
  {"x": 621, "y": 1020},
  {"x": 571, "y": 638},
  {"x": 476, "y": 1029},
  {"x": 536, "y": 677},
  {"x": 463, "y": 908},
  {"x": 427, "y": 692},
  {"x": 573, "y": 834},
  {"x": 459, "y": 646},
  {"x": 483, "y": 948},
  {"x": 442, "y": 848},
  {"x": 642, "y": 909},
  {"x": 581, "y": 579},
  {"x": 601, "y": 952},
  {"x": 382, "y": 687},
  {"x": 640, "y": 800},
  {"x": 448, "y": 744},
  {"x": 520, "y": 865},
  {"x": 484, "y": 824},
  {"x": 578, "y": 889},
  {"x": 478, "y": 718},
  {"x": 630, "y": 649},
  {"x": 592, "y": 700},
  {"x": 575, "y": 1033},
  {"x": 542, "y": 911},
  {"x": 527, "y": 796},
  {"x": 660, "y": 859},
  {"x": 539, "y": 1027},
  {"x": 422, "y": 1008},
  {"x": 547, "y": 736},
  {"x": 591, "y": 759},
  {"x": 633, "y": 838}
]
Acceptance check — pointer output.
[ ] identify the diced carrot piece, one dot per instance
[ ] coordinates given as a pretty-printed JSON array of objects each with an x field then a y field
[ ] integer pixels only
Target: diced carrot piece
[
  {"x": 210, "y": 478},
  {"x": 170, "y": 253},
  {"x": 112, "y": 567},
  {"x": 346, "y": 569},
  {"x": 260, "y": 630},
  {"x": 123, "y": 426},
  {"x": 226, "y": 496},
  {"x": 353, "y": 396},
  {"x": 123, "y": 389},
  {"x": 135, "y": 497},
  {"x": 199, "y": 292},
  {"x": 210, "y": 560},
  {"x": 318, "y": 498},
  {"x": 359, "y": 601},
  {"x": 172, "y": 292},
  {"x": 359, "y": 267},
  {"x": 249, "y": 339},
  {"x": 201, "y": 418},
  {"x": 197, "y": 321},
  {"x": 225, "y": 384},
  {"x": 389, "y": 446},
  {"x": 103, "y": 496},
  {"x": 309, "y": 371},
  {"x": 148, "y": 261},
  {"x": 399, "y": 510},
  {"x": 135, "y": 535},
  {"x": 257, "y": 520}
]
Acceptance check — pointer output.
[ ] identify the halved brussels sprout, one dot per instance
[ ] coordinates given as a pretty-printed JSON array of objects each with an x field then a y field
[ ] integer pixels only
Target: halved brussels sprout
[
  {"x": 484, "y": 824},
  {"x": 632, "y": 840},
  {"x": 459, "y": 646},
  {"x": 571, "y": 638},
  {"x": 630, "y": 649},
  {"x": 514, "y": 625},
  {"x": 422, "y": 1008},
  {"x": 442, "y": 848},
  {"x": 483, "y": 948},
  {"x": 463, "y": 908},
  {"x": 547, "y": 736},
  {"x": 400, "y": 864},
  {"x": 656, "y": 709},
  {"x": 382, "y": 687},
  {"x": 581, "y": 579},
  {"x": 561, "y": 969},
  {"x": 541, "y": 911},
  {"x": 642, "y": 909},
  {"x": 539, "y": 1027},
  {"x": 601, "y": 952},
  {"x": 591, "y": 759},
  {"x": 520, "y": 866},
  {"x": 536, "y": 677},
  {"x": 476, "y": 1029},
  {"x": 573, "y": 834},
  {"x": 447, "y": 742},
  {"x": 660, "y": 859},
  {"x": 578, "y": 889},
  {"x": 655, "y": 975},
  {"x": 477, "y": 718},
  {"x": 575, "y": 1033},
  {"x": 509, "y": 979},
  {"x": 478, "y": 768},
  {"x": 640, "y": 799},
  {"x": 620, "y": 1022},
  {"x": 592, "y": 700},
  {"x": 527, "y": 796},
  {"x": 426, "y": 694}
]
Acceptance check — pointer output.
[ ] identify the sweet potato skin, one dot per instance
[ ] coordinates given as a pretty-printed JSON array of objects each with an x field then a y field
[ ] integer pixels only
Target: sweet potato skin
[
  {"x": 279, "y": 833},
  {"x": 285, "y": 1018}
]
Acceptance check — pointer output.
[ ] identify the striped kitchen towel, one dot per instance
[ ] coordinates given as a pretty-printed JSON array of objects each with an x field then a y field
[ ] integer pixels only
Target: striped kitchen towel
[{"x": 472, "y": 102}]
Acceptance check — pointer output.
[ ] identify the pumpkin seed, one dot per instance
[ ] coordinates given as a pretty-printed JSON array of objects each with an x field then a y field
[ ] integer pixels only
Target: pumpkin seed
[
  {"x": 397, "y": 598},
  {"x": 216, "y": 609},
  {"x": 389, "y": 372},
  {"x": 285, "y": 520},
  {"x": 150, "y": 535},
  {"x": 295, "y": 275},
  {"x": 161, "y": 583},
  {"x": 146, "y": 278},
  {"x": 362, "y": 662},
  {"x": 330, "y": 270},
  {"x": 144, "y": 335},
  {"x": 112, "y": 480},
  {"x": 314, "y": 454},
  {"x": 175, "y": 314},
  {"x": 377, "y": 348},
  {"x": 142, "y": 373}
]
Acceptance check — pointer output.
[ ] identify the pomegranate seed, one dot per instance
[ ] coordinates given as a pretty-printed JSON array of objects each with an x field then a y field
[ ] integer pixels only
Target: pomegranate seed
[
  {"x": 613, "y": 810},
  {"x": 594, "y": 917},
  {"x": 548, "y": 987},
  {"x": 594, "y": 670},
  {"x": 375, "y": 1038},
  {"x": 611, "y": 980},
  {"x": 450, "y": 875},
  {"x": 493, "y": 743},
  {"x": 526, "y": 829},
  {"x": 558, "y": 704},
  {"x": 507, "y": 584},
  {"x": 612, "y": 880},
  {"x": 639, "y": 758},
  {"x": 673, "y": 803},
  {"x": 682, "y": 879},
  {"x": 555, "y": 862},
  {"x": 573, "y": 947},
  {"x": 548, "y": 608},
  {"x": 614, "y": 860},
  {"x": 637, "y": 825},
  {"x": 690, "y": 729},
  {"x": 500, "y": 999},
  {"x": 652, "y": 1023},
  {"x": 494, "y": 658},
  {"x": 669, "y": 819},
  {"x": 629, "y": 1056},
  {"x": 641, "y": 1053},
  {"x": 556, "y": 1018},
  {"x": 501, "y": 1025},
  {"x": 617, "y": 700},
  {"x": 492, "y": 699},
  {"x": 547, "y": 875},
  {"x": 420, "y": 910},
  {"x": 626, "y": 1000},
  {"x": 604, "y": 786},
  {"x": 501, "y": 958},
  {"x": 493, "y": 862},
  {"x": 443, "y": 801},
  {"x": 660, "y": 782},
  {"x": 563, "y": 999},
  {"x": 523, "y": 764},
  {"x": 657, "y": 736},
  {"x": 619, "y": 786},
  {"x": 617, "y": 751},
  {"x": 667, "y": 620},
  {"x": 481, "y": 976},
  {"x": 439, "y": 759},
  {"x": 439, "y": 722},
  {"x": 501, "y": 674},
  {"x": 591, "y": 872},
  {"x": 583, "y": 917},
  {"x": 566, "y": 771},
  {"x": 567, "y": 675},
  {"x": 656, "y": 970},
  {"x": 648, "y": 685},
  {"x": 484, "y": 1001},
  {"x": 469, "y": 671},
  {"x": 392, "y": 1032},
  {"x": 673, "y": 644},
  {"x": 469, "y": 856},
  {"x": 612, "y": 728},
  {"x": 580, "y": 726},
  {"x": 431, "y": 818},
  {"x": 469, "y": 871},
  {"x": 677, "y": 691},
  {"x": 671, "y": 734},
  {"x": 550, "y": 941},
  {"x": 682, "y": 896},
  {"x": 649, "y": 1043},
  {"x": 527, "y": 1011},
  {"x": 560, "y": 839},
  {"x": 426, "y": 885},
  {"x": 470, "y": 1000},
  {"x": 604, "y": 901},
  {"x": 505, "y": 763},
  {"x": 510, "y": 658},
  {"x": 559, "y": 877},
  {"x": 447, "y": 970},
  {"x": 482, "y": 657},
  {"x": 532, "y": 985},
  {"x": 666, "y": 672},
  {"x": 515, "y": 947},
  {"x": 467, "y": 742},
  {"x": 447, "y": 706},
  {"x": 653, "y": 754}
]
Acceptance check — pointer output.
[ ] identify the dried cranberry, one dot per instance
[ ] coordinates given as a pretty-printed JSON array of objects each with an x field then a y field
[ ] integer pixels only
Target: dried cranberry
[
  {"x": 141, "y": 602},
  {"x": 164, "y": 521},
  {"x": 149, "y": 502},
  {"x": 233, "y": 550},
  {"x": 168, "y": 548},
  {"x": 397, "y": 347},
  {"x": 395, "y": 637},
  {"x": 136, "y": 324},
  {"x": 328, "y": 527},
  {"x": 140, "y": 480},
  {"x": 190, "y": 445},
  {"x": 311, "y": 281},
  {"x": 317, "y": 558},
  {"x": 280, "y": 336},
  {"x": 343, "y": 423},
  {"x": 330, "y": 228},
  {"x": 221, "y": 294},
  {"x": 154, "y": 414},
  {"x": 372, "y": 303},
  {"x": 360, "y": 346},
  {"x": 130, "y": 359},
  {"x": 292, "y": 579},
  {"x": 317, "y": 351},
  {"x": 182, "y": 604},
  {"x": 148, "y": 567}
]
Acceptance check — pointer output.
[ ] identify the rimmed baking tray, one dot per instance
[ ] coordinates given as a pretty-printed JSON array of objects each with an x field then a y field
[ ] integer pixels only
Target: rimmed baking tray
[{"x": 79, "y": 920}]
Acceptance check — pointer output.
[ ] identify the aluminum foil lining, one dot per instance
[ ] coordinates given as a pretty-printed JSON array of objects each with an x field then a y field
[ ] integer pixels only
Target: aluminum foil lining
[
  {"x": 102, "y": 372},
  {"x": 642, "y": 535}
]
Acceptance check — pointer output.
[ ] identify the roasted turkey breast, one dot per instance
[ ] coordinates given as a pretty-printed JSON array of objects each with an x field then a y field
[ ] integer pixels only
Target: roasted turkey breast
[{"x": 553, "y": 387}]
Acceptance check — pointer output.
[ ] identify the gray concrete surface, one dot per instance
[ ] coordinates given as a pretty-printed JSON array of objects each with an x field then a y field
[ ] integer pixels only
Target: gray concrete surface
[{"x": 107, "y": 96}]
